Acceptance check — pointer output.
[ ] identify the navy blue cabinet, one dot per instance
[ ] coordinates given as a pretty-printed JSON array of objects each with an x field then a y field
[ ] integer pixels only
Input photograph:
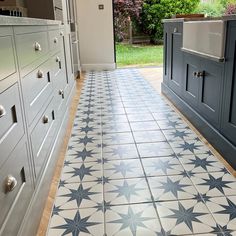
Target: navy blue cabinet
[
  {"x": 173, "y": 56},
  {"x": 228, "y": 126},
  {"x": 203, "y": 83}
]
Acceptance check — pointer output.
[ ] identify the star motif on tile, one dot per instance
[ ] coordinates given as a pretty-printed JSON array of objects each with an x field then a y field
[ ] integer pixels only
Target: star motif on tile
[
  {"x": 187, "y": 216},
  {"x": 86, "y": 129},
  {"x": 229, "y": 209},
  {"x": 85, "y": 140},
  {"x": 120, "y": 151},
  {"x": 201, "y": 162},
  {"x": 126, "y": 190},
  {"x": 56, "y": 210},
  {"x": 162, "y": 165},
  {"x": 79, "y": 195},
  {"x": 217, "y": 183},
  {"x": 172, "y": 186},
  {"x": 77, "y": 225},
  {"x": 132, "y": 221},
  {"x": 84, "y": 154},
  {"x": 189, "y": 146},
  {"x": 179, "y": 134},
  {"x": 67, "y": 163},
  {"x": 61, "y": 183},
  {"x": 81, "y": 172},
  {"x": 87, "y": 120},
  {"x": 104, "y": 206},
  {"x": 122, "y": 168},
  {"x": 172, "y": 123}
]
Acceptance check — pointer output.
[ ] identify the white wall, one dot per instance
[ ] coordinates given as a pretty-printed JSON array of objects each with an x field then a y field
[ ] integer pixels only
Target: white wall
[{"x": 96, "y": 39}]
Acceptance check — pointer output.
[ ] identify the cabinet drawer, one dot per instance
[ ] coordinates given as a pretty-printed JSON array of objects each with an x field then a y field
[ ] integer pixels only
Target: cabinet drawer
[
  {"x": 37, "y": 87},
  {"x": 31, "y": 46},
  {"x": 42, "y": 137},
  {"x": 11, "y": 124},
  {"x": 55, "y": 40},
  {"x": 7, "y": 60},
  {"x": 14, "y": 197}
]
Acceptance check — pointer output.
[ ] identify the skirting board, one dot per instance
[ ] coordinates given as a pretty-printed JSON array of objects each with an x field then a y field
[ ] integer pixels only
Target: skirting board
[
  {"x": 98, "y": 67},
  {"x": 217, "y": 140}
]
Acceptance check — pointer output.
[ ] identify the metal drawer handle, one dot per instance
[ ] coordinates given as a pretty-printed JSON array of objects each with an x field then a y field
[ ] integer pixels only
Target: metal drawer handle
[
  {"x": 37, "y": 47},
  {"x": 55, "y": 40},
  {"x": 40, "y": 74},
  {"x": 2, "y": 111},
  {"x": 175, "y": 30},
  {"x": 45, "y": 119},
  {"x": 199, "y": 74},
  {"x": 58, "y": 59},
  {"x": 10, "y": 183}
]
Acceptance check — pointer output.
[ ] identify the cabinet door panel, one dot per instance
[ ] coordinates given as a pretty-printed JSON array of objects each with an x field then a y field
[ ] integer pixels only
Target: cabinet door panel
[
  {"x": 229, "y": 106},
  {"x": 166, "y": 53},
  {"x": 191, "y": 83},
  {"x": 176, "y": 59},
  {"x": 211, "y": 91}
]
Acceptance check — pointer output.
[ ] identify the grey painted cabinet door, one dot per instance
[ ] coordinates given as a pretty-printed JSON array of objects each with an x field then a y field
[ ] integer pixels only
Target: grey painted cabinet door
[
  {"x": 210, "y": 91},
  {"x": 191, "y": 82},
  {"x": 229, "y": 106},
  {"x": 176, "y": 57}
]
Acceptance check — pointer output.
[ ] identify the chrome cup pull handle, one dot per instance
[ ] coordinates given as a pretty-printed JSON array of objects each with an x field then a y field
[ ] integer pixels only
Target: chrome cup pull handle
[
  {"x": 37, "y": 46},
  {"x": 2, "y": 111}
]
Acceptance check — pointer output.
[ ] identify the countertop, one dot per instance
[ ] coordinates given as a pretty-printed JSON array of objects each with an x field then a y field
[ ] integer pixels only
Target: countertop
[
  {"x": 224, "y": 18},
  {"x": 11, "y": 21}
]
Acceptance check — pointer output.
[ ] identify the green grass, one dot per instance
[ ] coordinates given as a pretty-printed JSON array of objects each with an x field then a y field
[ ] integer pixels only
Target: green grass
[{"x": 138, "y": 55}]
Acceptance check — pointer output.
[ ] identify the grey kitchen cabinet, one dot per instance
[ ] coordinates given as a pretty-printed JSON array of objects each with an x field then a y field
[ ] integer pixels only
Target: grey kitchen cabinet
[
  {"x": 15, "y": 198},
  {"x": 36, "y": 87},
  {"x": 173, "y": 56},
  {"x": 228, "y": 125},
  {"x": 202, "y": 88}
]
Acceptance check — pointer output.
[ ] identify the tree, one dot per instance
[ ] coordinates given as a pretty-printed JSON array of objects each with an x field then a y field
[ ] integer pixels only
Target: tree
[
  {"x": 125, "y": 11},
  {"x": 154, "y": 11}
]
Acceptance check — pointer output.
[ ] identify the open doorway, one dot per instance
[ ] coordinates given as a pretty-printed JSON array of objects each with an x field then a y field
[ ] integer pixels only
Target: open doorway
[{"x": 133, "y": 45}]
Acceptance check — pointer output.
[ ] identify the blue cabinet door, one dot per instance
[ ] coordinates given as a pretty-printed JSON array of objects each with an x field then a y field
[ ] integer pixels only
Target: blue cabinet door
[
  {"x": 210, "y": 91},
  {"x": 176, "y": 57},
  {"x": 228, "y": 125},
  {"x": 191, "y": 82}
]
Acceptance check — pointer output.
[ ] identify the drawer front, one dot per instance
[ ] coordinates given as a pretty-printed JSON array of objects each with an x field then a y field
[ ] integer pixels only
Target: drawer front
[
  {"x": 42, "y": 137},
  {"x": 11, "y": 124},
  {"x": 55, "y": 40},
  {"x": 7, "y": 59},
  {"x": 37, "y": 87},
  {"x": 14, "y": 197},
  {"x": 31, "y": 46}
]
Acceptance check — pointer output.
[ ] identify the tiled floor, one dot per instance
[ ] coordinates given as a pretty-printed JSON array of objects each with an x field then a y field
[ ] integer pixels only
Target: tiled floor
[{"x": 134, "y": 167}]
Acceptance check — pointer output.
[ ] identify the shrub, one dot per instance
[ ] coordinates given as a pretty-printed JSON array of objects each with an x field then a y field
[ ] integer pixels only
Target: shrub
[
  {"x": 210, "y": 9},
  {"x": 124, "y": 11},
  {"x": 154, "y": 11},
  {"x": 230, "y": 9}
]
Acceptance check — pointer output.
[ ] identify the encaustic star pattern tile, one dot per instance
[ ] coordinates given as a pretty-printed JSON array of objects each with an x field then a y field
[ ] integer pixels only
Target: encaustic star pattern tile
[{"x": 134, "y": 167}]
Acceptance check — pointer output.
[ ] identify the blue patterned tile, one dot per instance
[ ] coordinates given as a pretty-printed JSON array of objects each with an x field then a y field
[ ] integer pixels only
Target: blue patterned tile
[
  {"x": 149, "y": 136},
  {"x": 118, "y": 138}
]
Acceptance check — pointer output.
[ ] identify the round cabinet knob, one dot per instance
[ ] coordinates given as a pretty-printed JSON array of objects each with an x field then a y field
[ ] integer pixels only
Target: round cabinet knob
[
  {"x": 58, "y": 59},
  {"x": 40, "y": 74},
  {"x": 45, "y": 119},
  {"x": 61, "y": 92},
  {"x": 61, "y": 33},
  {"x": 37, "y": 47},
  {"x": 175, "y": 30},
  {"x": 55, "y": 40},
  {"x": 10, "y": 183},
  {"x": 2, "y": 111}
]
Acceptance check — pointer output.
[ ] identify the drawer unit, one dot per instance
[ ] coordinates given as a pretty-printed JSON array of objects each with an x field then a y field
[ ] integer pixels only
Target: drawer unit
[
  {"x": 31, "y": 45},
  {"x": 55, "y": 40},
  {"x": 37, "y": 87},
  {"x": 16, "y": 190},
  {"x": 8, "y": 59},
  {"x": 42, "y": 137},
  {"x": 11, "y": 124}
]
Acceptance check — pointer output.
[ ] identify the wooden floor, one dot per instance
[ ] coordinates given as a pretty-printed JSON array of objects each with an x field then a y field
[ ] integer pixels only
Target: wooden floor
[{"x": 154, "y": 76}]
